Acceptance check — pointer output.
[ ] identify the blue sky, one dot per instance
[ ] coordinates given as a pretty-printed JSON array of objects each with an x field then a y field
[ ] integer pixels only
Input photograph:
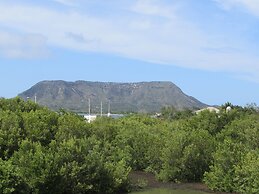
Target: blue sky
[{"x": 209, "y": 48}]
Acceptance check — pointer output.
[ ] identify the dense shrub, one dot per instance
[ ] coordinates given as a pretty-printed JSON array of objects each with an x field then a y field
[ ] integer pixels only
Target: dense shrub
[{"x": 42, "y": 151}]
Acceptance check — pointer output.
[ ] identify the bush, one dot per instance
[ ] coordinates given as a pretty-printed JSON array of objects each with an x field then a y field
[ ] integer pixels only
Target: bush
[
  {"x": 186, "y": 156},
  {"x": 247, "y": 174}
]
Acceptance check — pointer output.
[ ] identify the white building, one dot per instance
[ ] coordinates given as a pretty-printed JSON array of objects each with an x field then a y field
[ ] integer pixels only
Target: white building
[
  {"x": 211, "y": 109},
  {"x": 228, "y": 109},
  {"x": 90, "y": 118}
]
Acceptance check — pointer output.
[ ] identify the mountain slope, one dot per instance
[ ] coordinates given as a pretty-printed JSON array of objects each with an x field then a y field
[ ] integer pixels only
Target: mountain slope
[{"x": 123, "y": 97}]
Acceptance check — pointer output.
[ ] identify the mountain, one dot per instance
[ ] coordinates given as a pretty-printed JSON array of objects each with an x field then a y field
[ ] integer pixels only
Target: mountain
[{"x": 123, "y": 97}]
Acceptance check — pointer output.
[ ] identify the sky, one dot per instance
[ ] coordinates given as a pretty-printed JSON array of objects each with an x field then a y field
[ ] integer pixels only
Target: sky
[{"x": 209, "y": 48}]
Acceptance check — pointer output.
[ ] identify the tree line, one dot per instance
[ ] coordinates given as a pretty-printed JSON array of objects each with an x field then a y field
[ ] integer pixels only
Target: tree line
[{"x": 42, "y": 151}]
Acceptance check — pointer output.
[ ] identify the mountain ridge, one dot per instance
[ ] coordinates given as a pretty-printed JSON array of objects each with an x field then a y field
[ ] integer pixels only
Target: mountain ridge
[{"x": 123, "y": 97}]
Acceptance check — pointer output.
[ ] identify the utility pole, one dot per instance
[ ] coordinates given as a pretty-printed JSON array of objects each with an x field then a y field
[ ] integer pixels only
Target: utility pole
[
  {"x": 101, "y": 108},
  {"x": 89, "y": 106},
  {"x": 109, "y": 108}
]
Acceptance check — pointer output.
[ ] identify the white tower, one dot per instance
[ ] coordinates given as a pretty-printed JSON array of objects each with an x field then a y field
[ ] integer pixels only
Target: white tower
[
  {"x": 101, "y": 108},
  {"x": 89, "y": 106},
  {"x": 109, "y": 109}
]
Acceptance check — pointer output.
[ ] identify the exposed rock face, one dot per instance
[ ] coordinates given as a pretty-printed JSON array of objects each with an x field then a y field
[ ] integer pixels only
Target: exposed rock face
[{"x": 123, "y": 97}]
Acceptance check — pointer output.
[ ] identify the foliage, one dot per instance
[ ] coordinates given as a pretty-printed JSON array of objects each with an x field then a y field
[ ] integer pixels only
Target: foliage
[
  {"x": 231, "y": 164},
  {"x": 48, "y": 152},
  {"x": 11, "y": 133},
  {"x": 172, "y": 113},
  {"x": 141, "y": 137},
  {"x": 247, "y": 173},
  {"x": 186, "y": 156},
  {"x": 42, "y": 151},
  {"x": 69, "y": 126},
  {"x": 40, "y": 125},
  {"x": 11, "y": 180},
  {"x": 221, "y": 175}
]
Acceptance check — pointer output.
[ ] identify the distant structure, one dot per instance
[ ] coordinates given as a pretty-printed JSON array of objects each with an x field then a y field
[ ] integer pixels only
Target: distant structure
[
  {"x": 228, "y": 109},
  {"x": 35, "y": 98},
  {"x": 90, "y": 118},
  {"x": 109, "y": 109},
  {"x": 101, "y": 108},
  {"x": 211, "y": 109},
  {"x": 89, "y": 106},
  {"x": 156, "y": 115}
]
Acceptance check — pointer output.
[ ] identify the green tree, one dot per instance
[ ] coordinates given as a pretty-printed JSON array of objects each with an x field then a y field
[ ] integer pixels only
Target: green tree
[
  {"x": 40, "y": 125},
  {"x": 17, "y": 104},
  {"x": 221, "y": 174},
  {"x": 172, "y": 113},
  {"x": 186, "y": 156},
  {"x": 247, "y": 174},
  {"x": 11, "y": 133},
  {"x": 37, "y": 167},
  {"x": 71, "y": 125},
  {"x": 11, "y": 180},
  {"x": 237, "y": 140}
]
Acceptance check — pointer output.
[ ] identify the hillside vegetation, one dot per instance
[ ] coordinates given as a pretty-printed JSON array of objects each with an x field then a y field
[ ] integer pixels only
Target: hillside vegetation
[
  {"x": 123, "y": 97},
  {"x": 42, "y": 151}
]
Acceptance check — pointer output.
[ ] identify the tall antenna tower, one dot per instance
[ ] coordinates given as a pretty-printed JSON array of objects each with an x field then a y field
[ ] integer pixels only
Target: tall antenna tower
[
  {"x": 109, "y": 109},
  {"x": 89, "y": 106},
  {"x": 101, "y": 108}
]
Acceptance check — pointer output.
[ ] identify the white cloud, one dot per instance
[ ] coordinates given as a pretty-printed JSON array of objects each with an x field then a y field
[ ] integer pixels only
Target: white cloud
[
  {"x": 22, "y": 46},
  {"x": 250, "y": 5},
  {"x": 148, "y": 31},
  {"x": 153, "y": 7},
  {"x": 67, "y": 2}
]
